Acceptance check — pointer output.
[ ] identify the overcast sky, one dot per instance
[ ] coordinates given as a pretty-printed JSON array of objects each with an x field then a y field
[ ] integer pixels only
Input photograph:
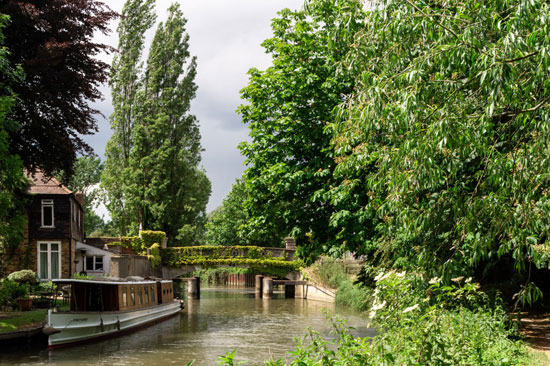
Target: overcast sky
[{"x": 225, "y": 36}]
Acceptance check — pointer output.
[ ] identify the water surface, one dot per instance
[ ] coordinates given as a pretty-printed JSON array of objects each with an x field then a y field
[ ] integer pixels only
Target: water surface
[{"x": 223, "y": 319}]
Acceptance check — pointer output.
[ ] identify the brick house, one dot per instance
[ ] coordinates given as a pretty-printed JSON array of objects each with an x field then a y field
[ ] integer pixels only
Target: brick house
[{"x": 54, "y": 230}]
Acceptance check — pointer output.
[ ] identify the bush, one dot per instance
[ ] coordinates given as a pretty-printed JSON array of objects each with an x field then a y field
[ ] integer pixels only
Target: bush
[
  {"x": 23, "y": 276},
  {"x": 328, "y": 272},
  {"x": 354, "y": 295},
  {"x": 11, "y": 290},
  {"x": 151, "y": 237}
]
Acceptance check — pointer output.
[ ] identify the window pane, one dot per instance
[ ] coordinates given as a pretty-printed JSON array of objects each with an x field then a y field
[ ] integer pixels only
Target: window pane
[
  {"x": 124, "y": 297},
  {"x": 43, "y": 263},
  {"x": 99, "y": 263},
  {"x": 47, "y": 215},
  {"x": 89, "y": 263},
  {"x": 55, "y": 265},
  {"x": 54, "y": 247},
  {"x": 43, "y": 247}
]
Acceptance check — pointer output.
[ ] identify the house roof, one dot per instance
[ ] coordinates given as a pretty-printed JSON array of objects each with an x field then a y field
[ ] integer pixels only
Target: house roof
[{"x": 41, "y": 184}]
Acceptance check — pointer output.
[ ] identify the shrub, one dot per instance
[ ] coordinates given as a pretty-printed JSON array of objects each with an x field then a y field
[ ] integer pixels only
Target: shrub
[
  {"x": 11, "y": 290},
  {"x": 23, "y": 276},
  {"x": 150, "y": 237},
  {"x": 354, "y": 295},
  {"x": 328, "y": 272}
]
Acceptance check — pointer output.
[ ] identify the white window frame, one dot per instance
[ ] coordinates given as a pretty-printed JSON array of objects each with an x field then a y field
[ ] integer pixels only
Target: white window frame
[
  {"x": 49, "y": 259},
  {"x": 94, "y": 258},
  {"x": 47, "y": 203}
]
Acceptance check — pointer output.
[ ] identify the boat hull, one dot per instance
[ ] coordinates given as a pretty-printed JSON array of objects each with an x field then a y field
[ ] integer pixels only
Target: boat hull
[{"x": 77, "y": 327}]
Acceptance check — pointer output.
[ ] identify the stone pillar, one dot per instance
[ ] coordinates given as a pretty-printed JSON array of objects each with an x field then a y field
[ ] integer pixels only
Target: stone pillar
[
  {"x": 258, "y": 287},
  {"x": 290, "y": 291},
  {"x": 267, "y": 287},
  {"x": 198, "y": 287},
  {"x": 290, "y": 244},
  {"x": 193, "y": 288}
]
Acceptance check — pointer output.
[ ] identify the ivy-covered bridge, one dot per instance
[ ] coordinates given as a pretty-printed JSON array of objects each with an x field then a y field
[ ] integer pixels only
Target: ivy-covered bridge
[
  {"x": 179, "y": 261},
  {"x": 147, "y": 255}
]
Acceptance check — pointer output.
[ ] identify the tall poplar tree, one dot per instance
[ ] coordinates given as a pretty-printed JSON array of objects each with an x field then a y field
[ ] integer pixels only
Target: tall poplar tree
[
  {"x": 163, "y": 187},
  {"x": 137, "y": 17}
]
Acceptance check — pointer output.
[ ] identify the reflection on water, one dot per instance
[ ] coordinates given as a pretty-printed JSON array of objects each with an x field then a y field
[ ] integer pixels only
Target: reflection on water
[{"x": 223, "y": 319}]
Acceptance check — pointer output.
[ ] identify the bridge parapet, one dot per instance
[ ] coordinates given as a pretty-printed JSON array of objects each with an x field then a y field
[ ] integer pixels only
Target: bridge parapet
[
  {"x": 178, "y": 261},
  {"x": 186, "y": 255}
]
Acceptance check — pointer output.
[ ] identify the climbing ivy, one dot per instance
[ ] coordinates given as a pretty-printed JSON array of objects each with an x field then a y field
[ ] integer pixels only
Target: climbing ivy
[{"x": 257, "y": 259}]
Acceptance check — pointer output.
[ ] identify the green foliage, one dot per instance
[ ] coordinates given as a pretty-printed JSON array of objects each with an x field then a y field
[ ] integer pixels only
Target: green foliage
[
  {"x": 11, "y": 290},
  {"x": 226, "y": 225},
  {"x": 229, "y": 359},
  {"x": 447, "y": 136},
  {"x": 216, "y": 275},
  {"x": 85, "y": 179},
  {"x": 45, "y": 287},
  {"x": 328, "y": 272},
  {"x": 287, "y": 108},
  {"x": 354, "y": 295},
  {"x": 81, "y": 276},
  {"x": 257, "y": 259},
  {"x": 148, "y": 241},
  {"x": 154, "y": 255},
  {"x": 212, "y": 251},
  {"x": 152, "y": 173},
  {"x": 13, "y": 182},
  {"x": 24, "y": 276},
  {"x": 150, "y": 237},
  {"x": 331, "y": 273}
]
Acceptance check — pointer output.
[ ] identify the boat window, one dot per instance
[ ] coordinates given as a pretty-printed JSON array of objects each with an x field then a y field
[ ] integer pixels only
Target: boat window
[
  {"x": 153, "y": 294},
  {"x": 146, "y": 294},
  {"x": 132, "y": 295},
  {"x": 124, "y": 296},
  {"x": 140, "y": 296}
]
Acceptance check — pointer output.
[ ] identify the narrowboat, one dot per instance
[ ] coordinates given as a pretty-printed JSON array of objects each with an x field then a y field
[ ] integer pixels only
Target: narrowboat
[{"x": 103, "y": 308}]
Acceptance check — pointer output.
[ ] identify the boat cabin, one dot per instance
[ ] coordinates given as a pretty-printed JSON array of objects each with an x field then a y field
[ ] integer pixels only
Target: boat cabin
[{"x": 98, "y": 295}]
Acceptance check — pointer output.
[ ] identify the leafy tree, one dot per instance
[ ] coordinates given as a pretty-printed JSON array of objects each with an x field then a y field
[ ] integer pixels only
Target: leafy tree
[
  {"x": 137, "y": 17},
  {"x": 12, "y": 180},
  {"x": 287, "y": 109},
  {"x": 52, "y": 41},
  {"x": 163, "y": 188},
  {"x": 226, "y": 223},
  {"x": 448, "y": 134},
  {"x": 86, "y": 179}
]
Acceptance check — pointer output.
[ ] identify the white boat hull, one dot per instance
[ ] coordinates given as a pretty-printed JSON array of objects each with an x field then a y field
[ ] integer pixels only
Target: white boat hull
[{"x": 72, "y": 327}]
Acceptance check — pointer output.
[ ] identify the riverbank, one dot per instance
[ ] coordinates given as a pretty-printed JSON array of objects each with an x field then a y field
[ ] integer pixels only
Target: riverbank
[
  {"x": 22, "y": 327},
  {"x": 21, "y": 320}
]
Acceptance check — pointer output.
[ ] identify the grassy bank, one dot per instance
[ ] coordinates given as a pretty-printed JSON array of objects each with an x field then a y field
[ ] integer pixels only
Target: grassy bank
[
  {"x": 331, "y": 273},
  {"x": 15, "y": 320}
]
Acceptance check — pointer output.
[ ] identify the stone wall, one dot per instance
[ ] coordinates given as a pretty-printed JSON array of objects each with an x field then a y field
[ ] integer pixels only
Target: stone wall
[{"x": 132, "y": 265}]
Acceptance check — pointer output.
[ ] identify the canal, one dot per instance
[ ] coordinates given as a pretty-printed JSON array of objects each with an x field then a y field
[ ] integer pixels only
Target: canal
[{"x": 224, "y": 319}]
